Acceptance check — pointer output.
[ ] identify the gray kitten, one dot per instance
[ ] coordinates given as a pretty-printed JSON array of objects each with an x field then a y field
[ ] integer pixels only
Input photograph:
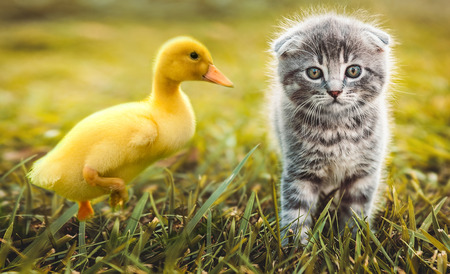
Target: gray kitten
[{"x": 329, "y": 113}]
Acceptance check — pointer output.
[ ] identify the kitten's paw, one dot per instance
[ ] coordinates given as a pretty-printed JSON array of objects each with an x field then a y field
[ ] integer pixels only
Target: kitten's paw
[
  {"x": 287, "y": 237},
  {"x": 304, "y": 239},
  {"x": 295, "y": 237}
]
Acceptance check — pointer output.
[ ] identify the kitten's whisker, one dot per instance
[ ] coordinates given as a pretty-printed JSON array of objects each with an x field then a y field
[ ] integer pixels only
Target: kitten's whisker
[
  {"x": 299, "y": 107},
  {"x": 310, "y": 113},
  {"x": 319, "y": 112}
]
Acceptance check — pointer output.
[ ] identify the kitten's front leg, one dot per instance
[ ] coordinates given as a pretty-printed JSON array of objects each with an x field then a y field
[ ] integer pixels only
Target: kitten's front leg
[
  {"x": 298, "y": 201},
  {"x": 357, "y": 195}
]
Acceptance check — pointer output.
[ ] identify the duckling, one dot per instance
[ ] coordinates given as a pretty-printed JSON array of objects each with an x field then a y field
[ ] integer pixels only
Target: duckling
[{"x": 106, "y": 150}]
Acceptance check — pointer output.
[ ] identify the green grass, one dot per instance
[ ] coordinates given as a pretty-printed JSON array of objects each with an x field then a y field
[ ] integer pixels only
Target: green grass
[{"x": 212, "y": 207}]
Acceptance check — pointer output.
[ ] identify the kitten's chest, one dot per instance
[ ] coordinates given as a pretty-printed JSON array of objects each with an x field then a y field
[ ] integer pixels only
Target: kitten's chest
[
  {"x": 335, "y": 144},
  {"x": 340, "y": 152}
]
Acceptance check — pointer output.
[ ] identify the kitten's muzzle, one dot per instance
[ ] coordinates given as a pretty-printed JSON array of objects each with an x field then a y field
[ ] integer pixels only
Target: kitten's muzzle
[{"x": 334, "y": 93}]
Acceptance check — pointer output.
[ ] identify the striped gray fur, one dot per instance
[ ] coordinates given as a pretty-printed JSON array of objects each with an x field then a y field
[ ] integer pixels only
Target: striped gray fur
[{"x": 329, "y": 143}]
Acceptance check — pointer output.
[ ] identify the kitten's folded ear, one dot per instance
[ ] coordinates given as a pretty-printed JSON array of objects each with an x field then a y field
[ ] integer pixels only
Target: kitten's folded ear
[
  {"x": 378, "y": 38},
  {"x": 286, "y": 43}
]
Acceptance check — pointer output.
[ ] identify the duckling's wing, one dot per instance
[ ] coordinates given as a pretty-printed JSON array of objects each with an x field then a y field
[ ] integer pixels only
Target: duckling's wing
[
  {"x": 125, "y": 137},
  {"x": 125, "y": 158},
  {"x": 146, "y": 135},
  {"x": 118, "y": 138}
]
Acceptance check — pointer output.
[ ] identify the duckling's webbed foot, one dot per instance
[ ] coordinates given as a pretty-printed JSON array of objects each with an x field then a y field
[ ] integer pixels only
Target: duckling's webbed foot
[
  {"x": 85, "y": 210},
  {"x": 119, "y": 193}
]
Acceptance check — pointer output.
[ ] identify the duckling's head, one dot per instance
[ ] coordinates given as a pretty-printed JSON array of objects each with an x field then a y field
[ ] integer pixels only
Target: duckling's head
[{"x": 185, "y": 59}]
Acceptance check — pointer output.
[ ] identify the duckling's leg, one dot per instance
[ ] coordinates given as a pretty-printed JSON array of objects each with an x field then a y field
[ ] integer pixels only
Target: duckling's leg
[
  {"x": 85, "y": 210},
  {"x": 119, "y": 193}
]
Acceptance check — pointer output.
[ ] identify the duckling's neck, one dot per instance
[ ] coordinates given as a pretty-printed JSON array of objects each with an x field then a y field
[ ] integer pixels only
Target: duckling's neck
[{"x": 164, "y": 90}]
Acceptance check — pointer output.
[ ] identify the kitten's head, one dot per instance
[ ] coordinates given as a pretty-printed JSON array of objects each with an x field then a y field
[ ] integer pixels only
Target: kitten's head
[{"x": 332, "y": 64}]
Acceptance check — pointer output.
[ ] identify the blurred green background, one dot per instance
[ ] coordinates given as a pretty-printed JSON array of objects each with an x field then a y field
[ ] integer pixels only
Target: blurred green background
[{"x": 63, "y": 60}]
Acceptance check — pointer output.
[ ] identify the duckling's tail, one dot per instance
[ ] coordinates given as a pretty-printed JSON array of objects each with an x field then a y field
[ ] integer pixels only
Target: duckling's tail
[{"x": 42, "y": 174}]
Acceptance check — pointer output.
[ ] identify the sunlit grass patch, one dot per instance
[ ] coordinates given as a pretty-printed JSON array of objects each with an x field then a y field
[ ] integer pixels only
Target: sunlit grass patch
[{"x": 160, "y": 232}]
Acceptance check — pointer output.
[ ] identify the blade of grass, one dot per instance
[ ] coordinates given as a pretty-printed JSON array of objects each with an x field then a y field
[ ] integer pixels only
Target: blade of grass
[
  {"x": 435, "y": 241},
  {"x": 230, "y": 235},
  {"x": 81, "y": 238},
  {"x": 372, "y": 236},
  {"x": 435, "y": 223},
  {"x": 198, "y": 259},
  {"x": 219, "y": 249},
  {"x": 95, "y": 268},
  {"x": 35, "y": 247},
  {"x": 415, "y": 253},
  {"x": 398, "y": 227},
  {"x": 6, "y": 243},
  {"x": 170, "y": 182},
  {"x": 266, "y": 222},
  {"x": 160, "y": 218},
  {"x": 315, "y": 256},
  {"x": 415, "y": 183},
  {"x": 17, "y": 166},
  {"x": 412, "y": 240},
  {"x": 330, "y": 266},
  {"x": 320, "y": 225},
  {"x": 410, "y": 266},
  {"x": 28, "y": 208},
  {"x": 135, "y": 262},
  {"x": 247, "y": 262},
  {"x": 177, "y": 247},
  {"x": 82, "y": 263},
  {"x": 254, "y": 231},
  {"x": 113, "y": 241},
  {"x": 143, "y": 239},
  {"x": 216, "y": 194},
  {"x": 66, "y": 260},
  {"x": 133, "y": 220},
  {"x": 209, "y": 235},
  {"x": 442, "y": 265},
  {"x": 358, "y": 248},
  {"x": 412, "y": 216},
  {"x": 277, "y": 218},
  {"x": 247, "y": 213},
  {"x": 16, "y": 206},
  {"x": 302, "y": 267},
  {"x": 428, "y": 220},
  {"x": 444, "y": 237}
]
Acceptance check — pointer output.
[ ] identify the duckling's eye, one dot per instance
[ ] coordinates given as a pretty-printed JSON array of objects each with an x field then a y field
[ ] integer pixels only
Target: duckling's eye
[
  {"x": 194, "y": 55},
  {"x": 353, "y": 71},
  {"x": 314, "y": 73}
]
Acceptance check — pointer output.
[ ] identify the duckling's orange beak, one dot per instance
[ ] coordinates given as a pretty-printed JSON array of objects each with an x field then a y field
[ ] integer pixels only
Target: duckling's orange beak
[{"x": 215, "y": 76}]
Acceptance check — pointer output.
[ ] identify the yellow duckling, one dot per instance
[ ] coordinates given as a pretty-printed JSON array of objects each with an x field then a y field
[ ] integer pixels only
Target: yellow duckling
[{"x": 106, "y": 150}]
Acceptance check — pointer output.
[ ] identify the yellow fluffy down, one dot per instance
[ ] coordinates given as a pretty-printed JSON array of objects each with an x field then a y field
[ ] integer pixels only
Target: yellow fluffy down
[{"x": 120, "y": 141}]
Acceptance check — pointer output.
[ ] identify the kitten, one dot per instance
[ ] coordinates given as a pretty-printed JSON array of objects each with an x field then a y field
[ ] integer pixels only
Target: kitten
[{"x": 329, "y": 113}]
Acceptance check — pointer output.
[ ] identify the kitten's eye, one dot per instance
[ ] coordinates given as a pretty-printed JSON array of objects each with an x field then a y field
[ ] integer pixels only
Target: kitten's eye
[
  {"x": 194, "y": 55},
  {"x": 353, "y": 71},
  {"x": 314, "y": 73}
]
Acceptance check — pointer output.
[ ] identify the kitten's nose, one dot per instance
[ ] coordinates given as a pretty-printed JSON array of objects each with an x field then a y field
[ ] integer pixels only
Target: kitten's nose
[{"x": 334, "y": 93}]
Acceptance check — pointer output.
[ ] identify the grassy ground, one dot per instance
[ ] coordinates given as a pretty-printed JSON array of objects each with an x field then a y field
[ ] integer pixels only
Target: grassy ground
[{"x": 193, "y": 212}]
